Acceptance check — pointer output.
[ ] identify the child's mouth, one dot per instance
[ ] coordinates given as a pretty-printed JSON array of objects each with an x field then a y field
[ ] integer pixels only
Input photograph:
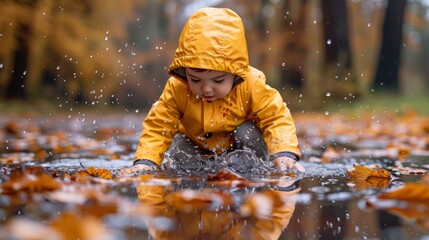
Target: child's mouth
[{"x": 208, "y": 97}]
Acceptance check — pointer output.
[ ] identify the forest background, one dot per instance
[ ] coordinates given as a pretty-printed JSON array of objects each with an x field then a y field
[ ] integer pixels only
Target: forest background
[{"x": 318, "y": 53}]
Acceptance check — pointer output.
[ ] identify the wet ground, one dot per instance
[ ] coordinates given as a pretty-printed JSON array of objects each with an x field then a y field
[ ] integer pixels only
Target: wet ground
[{"x": 224, "y": 201}]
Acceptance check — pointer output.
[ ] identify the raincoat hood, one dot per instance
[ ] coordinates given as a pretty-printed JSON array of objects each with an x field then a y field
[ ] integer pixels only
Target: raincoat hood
[{"x": 212, "y": 38}]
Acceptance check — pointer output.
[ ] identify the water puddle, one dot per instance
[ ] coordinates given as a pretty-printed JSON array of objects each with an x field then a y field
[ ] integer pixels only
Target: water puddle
[{"x": 58, "y": 179}]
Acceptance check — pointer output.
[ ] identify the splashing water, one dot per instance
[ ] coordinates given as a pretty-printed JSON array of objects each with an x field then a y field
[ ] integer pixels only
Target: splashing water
[{"x": 243, "y": 162}]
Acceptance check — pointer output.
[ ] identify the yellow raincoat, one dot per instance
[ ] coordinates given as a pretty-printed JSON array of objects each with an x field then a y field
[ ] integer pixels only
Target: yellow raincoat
[{"x": 214, "y": 38}]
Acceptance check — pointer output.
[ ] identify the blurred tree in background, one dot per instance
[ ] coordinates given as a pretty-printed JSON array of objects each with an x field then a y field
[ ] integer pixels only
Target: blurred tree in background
[{"x": 117, "y": 52}]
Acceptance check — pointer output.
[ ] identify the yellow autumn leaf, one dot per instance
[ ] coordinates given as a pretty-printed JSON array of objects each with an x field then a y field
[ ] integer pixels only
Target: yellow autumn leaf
[
  {"x": 412, "y": 192},
  {"x": 188, "y": 199},
  {"x": 364, "y": 177},
  {"x": 362, "y": 172},
  {"x": 94, "y": 172},
  {"x": 414, "y": 199}
]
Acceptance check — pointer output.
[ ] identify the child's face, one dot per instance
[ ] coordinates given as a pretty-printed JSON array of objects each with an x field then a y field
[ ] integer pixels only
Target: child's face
[{"x": 210, "y": 85}]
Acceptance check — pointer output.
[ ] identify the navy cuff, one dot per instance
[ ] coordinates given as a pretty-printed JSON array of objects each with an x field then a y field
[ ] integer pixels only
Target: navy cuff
[
  {"x": 284, "y": 154},
  {"x": 144, "y": 161}
]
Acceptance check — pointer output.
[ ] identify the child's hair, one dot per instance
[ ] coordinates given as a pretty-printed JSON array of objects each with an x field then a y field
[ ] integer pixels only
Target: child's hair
[
  {"x": 200, "y": 69},
  {"x": 237, "y": 78}
]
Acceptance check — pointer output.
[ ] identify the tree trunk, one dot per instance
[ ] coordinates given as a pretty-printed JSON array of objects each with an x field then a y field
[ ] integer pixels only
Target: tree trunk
[
  {"x": 340, "y": 79},
  {"x": 16, "y": 85},
  {"x": 388, "y": 62}
]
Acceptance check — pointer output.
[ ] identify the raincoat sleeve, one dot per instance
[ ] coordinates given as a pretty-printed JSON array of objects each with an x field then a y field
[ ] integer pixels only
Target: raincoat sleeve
[
  {"x": 161, "y": 123},
  {"x": 273, "y": 118}
]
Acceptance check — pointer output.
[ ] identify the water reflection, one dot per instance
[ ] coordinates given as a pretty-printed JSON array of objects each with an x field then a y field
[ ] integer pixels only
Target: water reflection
[
  {"x": 207, "y": 211},
  {"x": 235, "y": 196}
]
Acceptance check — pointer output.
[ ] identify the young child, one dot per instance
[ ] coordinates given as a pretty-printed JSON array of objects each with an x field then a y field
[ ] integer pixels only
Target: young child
[{"x": 214, "y": 102}]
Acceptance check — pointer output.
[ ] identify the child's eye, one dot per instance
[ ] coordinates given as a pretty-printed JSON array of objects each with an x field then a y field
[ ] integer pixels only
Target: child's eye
[
  {"x": 218, "y": 80},
  {"x": 194, "y": 80}
]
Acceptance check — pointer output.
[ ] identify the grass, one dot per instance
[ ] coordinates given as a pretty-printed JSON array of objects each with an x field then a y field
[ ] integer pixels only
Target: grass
[{"x": 381, "y": 103}]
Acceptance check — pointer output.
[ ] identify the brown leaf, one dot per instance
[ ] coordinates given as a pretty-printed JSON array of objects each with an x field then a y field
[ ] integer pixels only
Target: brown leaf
[
  {"x": 94, "y": 172},
  {"x": 363, "y": 178},
  {"x": 414, "y": 198},
  {"x": 228, "y": 178},
  {"x": 41, "y": 155},
  {"x": 225, "y": 174},
  {"x": 12, "y": 127},
  {"x": 412, "y": 192},
  {"x": 329, "y": 154},
  {"x": 370, "y": 182},
  {"x": 362, "y": 172},
  {"x": 72, "y": 226},
  {"x": 261, "y": 204},
  {"x": 30, "y": 180},
  {"x": 187, "y": 200}
]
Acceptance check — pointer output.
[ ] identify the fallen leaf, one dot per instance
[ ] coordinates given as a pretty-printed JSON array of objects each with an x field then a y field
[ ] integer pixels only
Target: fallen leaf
[
  {"x": 29, "y": 180},
  {"x": 412, "y": 192},
  {"x": 71, "y": 226},
  {"x": 329, "y": 155},
  {"x": 95, "y": 172},
  {"x": 225, "y": 174},
  {"x": 227, "y": 178},
  {"x": 261, "y": 204},
  {"x": 12, "y": 127},
  {"x": 409, "y": 201},
  {"x": 363, "y": 177},
  {"x": 187, "y": 199},
  {"x": 362, "y": 172}
]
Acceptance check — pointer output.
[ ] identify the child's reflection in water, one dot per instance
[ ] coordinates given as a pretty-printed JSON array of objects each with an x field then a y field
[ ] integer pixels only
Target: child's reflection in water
[{"x": 261, "y": 212}]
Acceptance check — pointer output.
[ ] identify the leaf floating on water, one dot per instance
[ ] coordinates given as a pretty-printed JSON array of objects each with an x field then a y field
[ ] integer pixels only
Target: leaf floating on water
[
  {"x": 362, "y": 172},
  {"x": 187, "y": 199},
  {"x": 261, "y": 204},
  {"x": 363, "y": 177},
  {"x": 73, "y": 226},
  {"x": 411, "y": 192},
  {"x": 95, "y": 172},
  {"x": 329, "y": 155},
  {"x": 29, "y": 180},
  {"x": 228, "y": 178},
  {"x": 12, "y": 128},
  {"x": 409, "y": 201},
  {"x": 225, "y": 174}
]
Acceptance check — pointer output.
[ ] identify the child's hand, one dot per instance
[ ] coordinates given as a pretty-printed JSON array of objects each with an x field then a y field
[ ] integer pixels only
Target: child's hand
[
  {"x": 136, "y": 169},
  {"x": 288, "y": 163}
]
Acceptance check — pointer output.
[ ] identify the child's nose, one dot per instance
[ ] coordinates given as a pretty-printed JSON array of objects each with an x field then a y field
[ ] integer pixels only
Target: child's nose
[{"x": 206, "y": 88}]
